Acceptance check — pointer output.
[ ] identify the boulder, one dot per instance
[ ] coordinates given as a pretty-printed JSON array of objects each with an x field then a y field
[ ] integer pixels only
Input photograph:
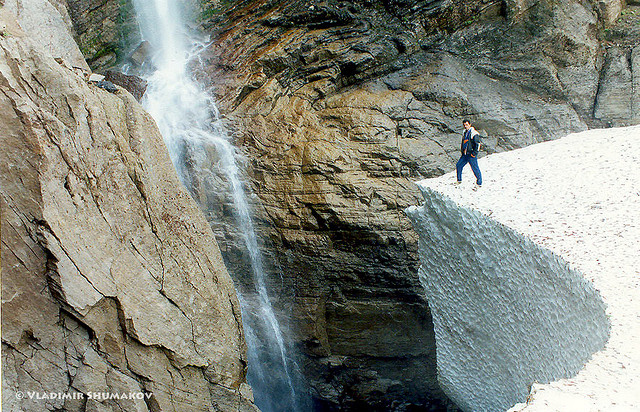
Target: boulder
[
  {"x": 140, "y": 54},
  {"x": 133, "y": 84},
  {"x": 610, "y": 10}
]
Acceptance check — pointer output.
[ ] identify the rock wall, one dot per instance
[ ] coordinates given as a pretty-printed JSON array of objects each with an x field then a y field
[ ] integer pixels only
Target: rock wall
[
  {"x": 105, "y": 30},
  {"x": 340, "y": 107},
  {"x": 112, "y": 281},
  {"x": 618, "y": 102}
]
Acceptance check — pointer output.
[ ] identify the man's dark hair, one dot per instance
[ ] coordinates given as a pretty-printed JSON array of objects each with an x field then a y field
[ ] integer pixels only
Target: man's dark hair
[{"x": 466, "y": 121}]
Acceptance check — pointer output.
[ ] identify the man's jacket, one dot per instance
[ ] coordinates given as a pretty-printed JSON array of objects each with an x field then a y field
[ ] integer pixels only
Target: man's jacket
[{"x": 470, "y": 142}]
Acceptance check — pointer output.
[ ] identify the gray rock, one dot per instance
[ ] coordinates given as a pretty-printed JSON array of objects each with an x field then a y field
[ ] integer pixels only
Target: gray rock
[
  {"x": 48, "y": 24},
  {"x": 141, "y": 54},
  {"x": 107, "y": 85},
  {"x": 610, "y": 10},
  {"x": 635, "y": 70},
  {"x": 614, "y": 104}
]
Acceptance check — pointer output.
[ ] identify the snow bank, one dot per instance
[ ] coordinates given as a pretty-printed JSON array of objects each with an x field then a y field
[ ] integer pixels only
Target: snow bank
[{"x": 516, "y": 273}]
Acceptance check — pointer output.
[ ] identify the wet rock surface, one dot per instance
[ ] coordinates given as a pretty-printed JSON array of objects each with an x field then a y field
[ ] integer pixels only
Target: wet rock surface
[
  {"x": 133, "y": 84},
  {"x": 105, "y": 30},
  {"x": 111, "y": 279}
]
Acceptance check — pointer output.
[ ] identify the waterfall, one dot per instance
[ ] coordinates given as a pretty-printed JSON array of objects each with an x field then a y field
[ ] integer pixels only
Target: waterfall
[{"x": 190, "y": 125}]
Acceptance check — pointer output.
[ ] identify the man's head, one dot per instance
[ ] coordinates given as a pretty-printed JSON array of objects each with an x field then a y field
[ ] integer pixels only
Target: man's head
[{"x": 466, "y": 124}]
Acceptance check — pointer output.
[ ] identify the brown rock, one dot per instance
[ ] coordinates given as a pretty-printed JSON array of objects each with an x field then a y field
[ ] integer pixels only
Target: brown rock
[
  {"x": 339, "y": 110},
  {"x": 112, "y": 280},
  {"x": 133, "y": 84}
]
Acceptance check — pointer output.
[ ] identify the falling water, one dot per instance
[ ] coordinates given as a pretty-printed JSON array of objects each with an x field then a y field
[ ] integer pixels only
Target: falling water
[{"x": 189, "y": 121}]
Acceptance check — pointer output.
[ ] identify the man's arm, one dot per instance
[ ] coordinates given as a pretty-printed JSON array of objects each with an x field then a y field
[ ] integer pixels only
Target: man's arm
[{"x": 478, "y": 141}]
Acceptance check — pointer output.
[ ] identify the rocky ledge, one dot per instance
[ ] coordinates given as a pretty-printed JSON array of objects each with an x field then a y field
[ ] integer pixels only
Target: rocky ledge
[{"x": 574, "y": 200}]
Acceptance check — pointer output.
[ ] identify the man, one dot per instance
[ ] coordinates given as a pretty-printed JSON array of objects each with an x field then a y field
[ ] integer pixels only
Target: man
[{"x": 469, "y": 151}]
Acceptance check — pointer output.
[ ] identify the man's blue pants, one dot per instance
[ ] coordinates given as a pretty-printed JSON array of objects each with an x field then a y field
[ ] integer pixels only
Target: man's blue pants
[{"x": 473, "y": 161}]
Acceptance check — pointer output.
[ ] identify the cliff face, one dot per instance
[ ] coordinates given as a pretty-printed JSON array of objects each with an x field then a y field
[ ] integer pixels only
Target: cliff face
[
  {"x": 50, "y": 27},
  {"x": 111, "y": 278},
  {"x": 105, "y": 31},
  {"x": 618, "y": 101},
  {"x": 340, "y": 106}
]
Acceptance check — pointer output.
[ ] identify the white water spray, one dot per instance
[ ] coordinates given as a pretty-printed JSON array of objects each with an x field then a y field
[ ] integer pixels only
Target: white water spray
[{"x": 188, "y": 118}]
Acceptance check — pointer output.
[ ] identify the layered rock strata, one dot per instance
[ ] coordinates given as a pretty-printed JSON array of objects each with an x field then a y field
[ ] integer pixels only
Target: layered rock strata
[
  {"x": 112, "y": 281},
  {"x": 339, "y": 107},
  {"x": 618, "y": 102}
]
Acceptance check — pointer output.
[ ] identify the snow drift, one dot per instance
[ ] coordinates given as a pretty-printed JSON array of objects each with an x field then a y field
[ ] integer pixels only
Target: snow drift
[
  {"x": 508, "y": 270},
  {"x": 506, "y": 312}
]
